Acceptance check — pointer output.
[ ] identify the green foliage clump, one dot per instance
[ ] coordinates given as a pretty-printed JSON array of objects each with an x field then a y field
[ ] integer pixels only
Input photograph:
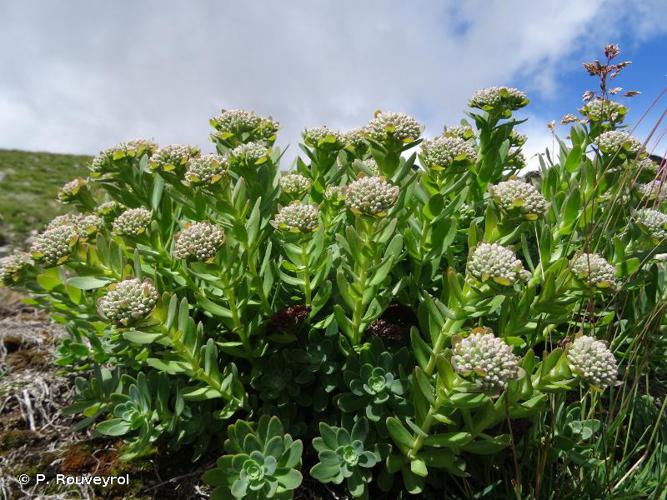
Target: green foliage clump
[{"x": 425, "y": 321}]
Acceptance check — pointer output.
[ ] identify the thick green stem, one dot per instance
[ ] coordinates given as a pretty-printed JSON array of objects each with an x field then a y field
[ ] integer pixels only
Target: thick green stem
[{"x": 307, "y": 289}]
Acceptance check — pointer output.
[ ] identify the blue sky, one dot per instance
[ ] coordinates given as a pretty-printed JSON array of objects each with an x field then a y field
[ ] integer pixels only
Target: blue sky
[{"x": 85, "y": 74}]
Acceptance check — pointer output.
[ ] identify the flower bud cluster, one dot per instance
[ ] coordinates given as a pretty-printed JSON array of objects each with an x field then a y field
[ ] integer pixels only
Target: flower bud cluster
[
  {"x": 498, "y": 263},
  {"x": 335, "y": 194},
  {"x": 199, "y": 241},
  {"x": 355, "y": 141},
  {"x": 12, "y": 266},
  {"x": 85, "y": 225},
  {"x": 135, "y": 148},
  {"x": 516, "y": 194},
  {"x": 441, "y": 152},
  {"x": 297, "y": 218},
  {"x": 249, "y": 155},
  {"x": 70, "y": 191},
  {"x": 594, "y": 270},
  {"x": 399, "y": 126},
  {"x": 132, "y": 222},
  {"x": 499, "y": 99},
  {"x": 653, "y": 222},
  {"x": 205, "y": 170},
  {"x": 323, "y": 136},
  {"x": 108, "y": 208},
  {"x": 517, "y": 139},
  {"x": 654, "y": 190},
  {"x": 486, "y": 358},
  {"x": 173, "y": 157},
  {"x": 603, "y": 110},
  {"x": 370, "y": 196},
  {"x": 294, "y": 184},
  {"x": 619, "y": 142},
  {"x": 237, "y": 122},
  {"x": 128, "y": 301},
  {"x": 592, "y": 360},
  {"x": 464, "y": 132},
  {"x": 370, "y": 167},
  {"x": 54, "y": 246}
]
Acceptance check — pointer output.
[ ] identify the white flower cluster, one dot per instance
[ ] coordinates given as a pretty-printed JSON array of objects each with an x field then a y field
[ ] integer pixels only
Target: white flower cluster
[
  {"x": 498, "y": 263},
  {"x": 319, "y": 136},
  {"x": 239, "y": 121},
  {"x": 592, "y": 360},
  {"x": 70, "y": 190},
  {"x": 370, "y": 196},
  {"x": 54, "y": 245},
  {"x": 173, "y": 157},
  {"x": 600, "y": 110},
  {"x": 205, "y": 170},
  {"x": 199, "y": 241},
  {"x": 516, "y": 194},
  {"x": 249, "y": 154},
  {"x": 594, "y": 269},
  {"x": 297, "y": 218},
  {"x": 399, "y": 126},
  {"x": 294, "y": 184},
  {"x": 135, "y": 148},
  {"x": 617, "y": 142},
  {"x": 443, "y": 151},
  {"x": 498, "y": 99},
  {"x": 355, "y": 140},
  {"x": 12, "y": 265},
  {"x": 128, "y": 301},
  {"x": 653, "y": 222},
  {"x": 488, "y": 359},
  {"x": 335, "y": 194},
  {"x": 464, "y": 132},
  {"x": 646, "y": 165},
  {"x": 85, "y": 225},
  {"x": 132, "y": 222},
  {"x": 654, "y": 190}
]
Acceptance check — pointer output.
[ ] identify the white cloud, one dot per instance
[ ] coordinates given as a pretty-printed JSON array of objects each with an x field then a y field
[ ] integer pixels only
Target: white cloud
[{"x": 87, "y": 74}]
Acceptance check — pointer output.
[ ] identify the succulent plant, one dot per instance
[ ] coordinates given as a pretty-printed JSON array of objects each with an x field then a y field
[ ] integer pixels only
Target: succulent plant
[
  {"x": 376, "y": 381},
  {"x": 173, "y": 158},
  {"x": 345, "y": 456},
  {"x": 205, "y": 170},
  {"x": 132, "y": 222},
  {"x": 502, "y": 100},
  {"x": 55, "y": 245},
  {"x": 397, "y": 126},
  {"x": 198, "y": 241},
  {"x": 490, "y": 261},
  {"x": 518, "y": 196},
  {"x": 262, "y": 462},
  {"x": 12, "y": 266},
  {"x": 445, "y": 152},
  {"x": 372, "y": 196},
  {"x": 294, "y": 184},
  {"x": 297, "y": 218},
  {"x": 592, "y": 361},
  {"x": 485, "y": 358},
  {"x": 128, "y": 301},
  {"x": 594, "y": 270}
]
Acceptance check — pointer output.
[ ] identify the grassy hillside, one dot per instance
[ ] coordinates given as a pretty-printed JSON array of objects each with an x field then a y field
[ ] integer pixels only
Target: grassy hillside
[{"x": 29, "y": 183}]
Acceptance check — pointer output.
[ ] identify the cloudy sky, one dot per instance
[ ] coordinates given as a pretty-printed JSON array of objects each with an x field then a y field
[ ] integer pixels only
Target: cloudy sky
[{"x": 78, "y": 76}]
